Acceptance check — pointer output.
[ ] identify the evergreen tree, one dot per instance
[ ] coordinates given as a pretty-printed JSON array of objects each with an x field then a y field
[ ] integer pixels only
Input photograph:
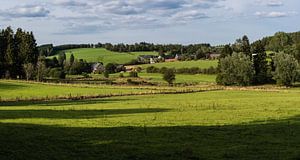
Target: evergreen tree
[
  {"x": 10, "y": 56},
  {"x": 62, "y": 59},
  {"x": 72, "y": 58},
  {"x": 227, "y": 51},
  {"x": 260, "y": 63}
]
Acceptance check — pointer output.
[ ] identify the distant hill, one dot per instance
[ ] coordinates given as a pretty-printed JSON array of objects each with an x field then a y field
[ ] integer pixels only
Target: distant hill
[{"x": 103, "y": 55}]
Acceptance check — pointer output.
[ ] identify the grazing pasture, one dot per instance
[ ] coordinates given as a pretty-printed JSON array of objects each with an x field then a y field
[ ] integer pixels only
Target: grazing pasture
[
  {"x": 103, "y": 55},
  {"x": 225, "y": 124},
  {"x": 180, "y": 78},
  {"x": 184, "y": 64},
  {"x": 25, "y": 90}
]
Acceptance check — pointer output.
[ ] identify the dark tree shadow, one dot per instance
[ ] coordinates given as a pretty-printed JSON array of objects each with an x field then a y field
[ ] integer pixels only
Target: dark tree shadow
[
  {"x": 10, "y": 86},
  {"x": 276, "y": 140},
  {"x": 74, "y": 114},
  {"x": 65, "y": 102}
]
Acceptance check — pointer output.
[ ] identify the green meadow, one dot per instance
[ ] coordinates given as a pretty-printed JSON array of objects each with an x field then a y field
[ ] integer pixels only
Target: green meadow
[
  {"x": 184, "y": 64},
  {"x": 105, "y": 56},
  {"x": 224, "y": 124},
  {"x": 157, "y": 78}
]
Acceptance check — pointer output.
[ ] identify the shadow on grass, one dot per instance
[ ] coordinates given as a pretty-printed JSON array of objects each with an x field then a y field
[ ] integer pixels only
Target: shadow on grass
[
  {"x": 11, "y": 86},
  {"x": 274, "y": 140},
  {"x": 65, "y": 102},
  {"x": 73, "y": 114}
]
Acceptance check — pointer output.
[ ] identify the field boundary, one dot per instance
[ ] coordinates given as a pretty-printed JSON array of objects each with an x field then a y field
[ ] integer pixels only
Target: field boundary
[{"x": 98, "y": 96}]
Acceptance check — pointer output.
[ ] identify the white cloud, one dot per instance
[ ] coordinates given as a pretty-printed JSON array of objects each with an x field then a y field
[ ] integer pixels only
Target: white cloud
[
  {"x": 28, "y": 11},
  {"x": 274, "y": 3},
  {"x": 272, "y": 14}
]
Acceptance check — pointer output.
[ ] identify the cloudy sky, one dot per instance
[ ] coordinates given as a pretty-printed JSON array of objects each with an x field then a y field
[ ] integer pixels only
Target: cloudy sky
[{"x": 157, "y": 21}]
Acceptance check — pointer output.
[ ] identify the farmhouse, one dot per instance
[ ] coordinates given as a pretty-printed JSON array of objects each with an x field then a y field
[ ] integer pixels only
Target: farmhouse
[
  {"x": 147, "y": 59},
  {"x": 213, "y": 56},
  {"x": 98, "y": 67}
]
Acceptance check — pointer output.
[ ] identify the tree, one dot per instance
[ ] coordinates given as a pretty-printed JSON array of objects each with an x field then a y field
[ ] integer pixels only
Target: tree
[
  {"x": 62, "y": 59},
  {"x": 110, "y": 68},
  {"x": 286, "y": 67},
  {"x": 41, "y": 69},
  {"x": 72, "y": 59},
  {"x": 29, "y": 70},
  {"x": 133, "y": 74},
  {"x": 242, "y": 45},
  {"x": 169, "y": 76},
  {"x": 246, "y": 48},
  {"x": 226, "y": 51},
  {"x": 235, "y": 70},
  {"x": 10, "y": 56},
  {"x": 260, "y": 63}
]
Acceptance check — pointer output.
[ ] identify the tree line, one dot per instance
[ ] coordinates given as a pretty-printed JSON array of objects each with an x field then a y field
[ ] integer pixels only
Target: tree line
[
  {"x": 244, "y": 64},
  {"x": 16, "y": 50}
]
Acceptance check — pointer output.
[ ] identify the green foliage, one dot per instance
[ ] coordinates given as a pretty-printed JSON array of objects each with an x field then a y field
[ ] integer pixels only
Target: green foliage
[
  {"x": 41, "y": 69},
  {"x": 57, "y": 73},
  {"x": 106, "y": 74},
  {"x": 16, "y": 49},
  {"x": 62, "y": 58},
  {"x": 242, "y": 45},
  {"x": 227, "y": 51},
  {"x": 286, "y": 69},
  {"x": 260, "y": 63},
  {"x": 110, "y": 68},
  {"x": 133, "y": 74},
  {"x": 29, "y": 70},
  {"x": 77, "y": 67},
  {"x": 72, "y": 59},
  {"x": 235, "y": 70},
  {"x": 169, "y": 76}
]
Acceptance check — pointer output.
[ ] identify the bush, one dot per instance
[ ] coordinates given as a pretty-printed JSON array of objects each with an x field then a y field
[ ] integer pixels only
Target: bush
[
  {"x": 121, "y": 75},
  {"x": 169, "y": 76},
  {"x": 133, "y": 74},
  {"x": 106, "y": 74},
  {"x": 110, "y": 68},
  {"x": 86, "y": 75},
  {"x": 57, "y": 73},
  {"x": 152, "y": 69}
]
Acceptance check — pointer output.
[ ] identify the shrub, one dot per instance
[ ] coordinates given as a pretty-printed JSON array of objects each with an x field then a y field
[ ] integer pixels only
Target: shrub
[
  {"x": 86, "y": 75},
  {"x": 152, "y": 69},
  {"x": 133, "y": 74},
  {"x": 106, "y": 74},
  {"x": 57, "y": 73},
  {"x": 110, "y": 68},
  {"x": 169, "y": 76}
]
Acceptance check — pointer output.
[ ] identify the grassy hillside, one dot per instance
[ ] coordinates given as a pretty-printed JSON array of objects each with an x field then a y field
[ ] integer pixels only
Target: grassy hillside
[
  {"x": 208, "y": 125},
  {"x": 105, "y": 56},
  {"x": 184, "y": 64}
]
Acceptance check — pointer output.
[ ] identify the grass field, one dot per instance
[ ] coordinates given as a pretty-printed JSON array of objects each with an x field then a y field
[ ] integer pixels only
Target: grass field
[
  {"x": 105, "y": 56},
  {"x": 208, "y": 125},
  {"x": 180, "y": 78},
  {"x": 184, "y": 64},
  {"x": 21, "y": 89}
]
